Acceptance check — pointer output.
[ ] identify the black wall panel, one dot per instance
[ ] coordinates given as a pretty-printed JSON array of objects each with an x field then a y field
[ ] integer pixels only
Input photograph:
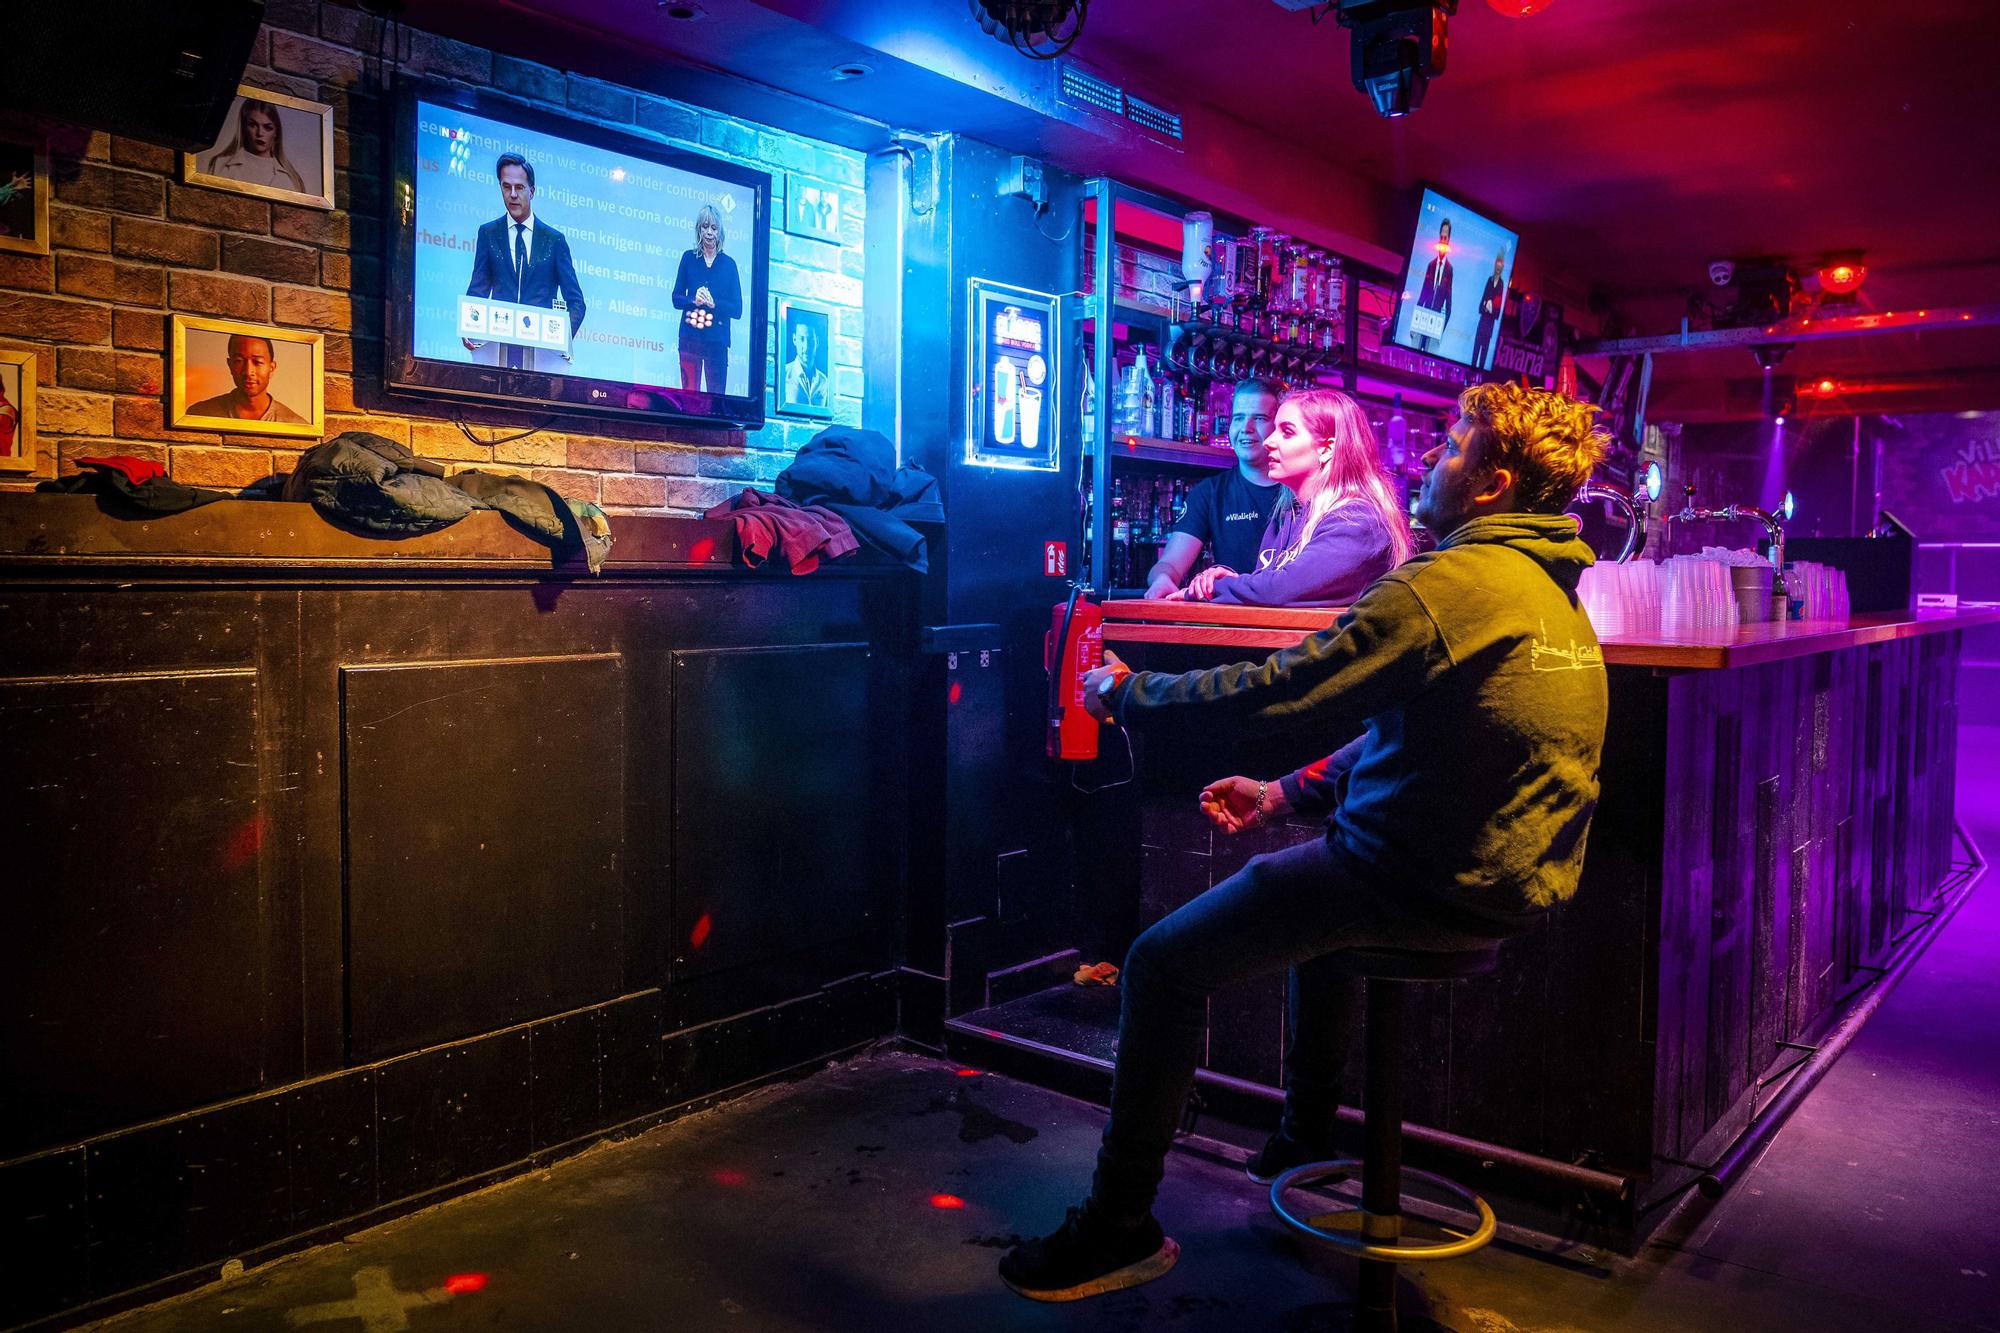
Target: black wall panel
[
  {"x": 485, "y": 816},
  {"x": 776, "y": 846},
  {"x": 132, "y": 914},
  {"x": 44, "y": 1232},
  {"x": 277, "y": 832}
]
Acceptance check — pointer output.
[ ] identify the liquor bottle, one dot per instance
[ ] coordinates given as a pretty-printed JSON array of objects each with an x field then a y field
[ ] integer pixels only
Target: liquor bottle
[
  {"x": 1163, "y": 409},
  {"x": 1147, "y": 400},
  {"x": 1088, "y": 398},
  {"x": 1121, "y": 537},
  {"x": 1089, "y": 513}
]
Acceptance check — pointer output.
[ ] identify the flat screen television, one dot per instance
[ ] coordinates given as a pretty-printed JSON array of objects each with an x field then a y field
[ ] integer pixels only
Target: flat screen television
[
  {"x": 550, "y": 264},
  {"x": 1454, "y": 284}
]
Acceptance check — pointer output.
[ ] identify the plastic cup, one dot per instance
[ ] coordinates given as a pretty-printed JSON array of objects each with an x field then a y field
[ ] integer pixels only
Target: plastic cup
[{"x": 1031, "y": 415}]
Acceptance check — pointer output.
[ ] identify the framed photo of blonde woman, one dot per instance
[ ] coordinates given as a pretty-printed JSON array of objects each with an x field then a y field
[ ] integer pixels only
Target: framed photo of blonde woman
[{"x": 273, "y": 146}]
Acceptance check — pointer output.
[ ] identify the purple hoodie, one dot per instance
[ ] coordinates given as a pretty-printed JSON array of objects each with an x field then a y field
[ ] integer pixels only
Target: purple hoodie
[{"x": 1349, "y": 550}]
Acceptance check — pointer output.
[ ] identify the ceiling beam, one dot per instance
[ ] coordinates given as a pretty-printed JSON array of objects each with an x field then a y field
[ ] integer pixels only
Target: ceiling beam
[{"x": 1802, "y": 329}]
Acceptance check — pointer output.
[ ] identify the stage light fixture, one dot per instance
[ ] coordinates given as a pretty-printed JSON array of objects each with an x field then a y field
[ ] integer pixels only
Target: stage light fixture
[
  {"x": 1770, "y": 355},
  {"x": 1398, "y": 47},
  {"x": 1038, "y": 29},
  {"x": 1520, "y": 9},
  {"x": 1841, "y": 275}
]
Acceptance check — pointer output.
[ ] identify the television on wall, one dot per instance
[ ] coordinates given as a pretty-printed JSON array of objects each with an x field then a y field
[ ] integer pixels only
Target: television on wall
[
  {"x": 550, "y": 264},
  {"x": 1454, "y": 283}
]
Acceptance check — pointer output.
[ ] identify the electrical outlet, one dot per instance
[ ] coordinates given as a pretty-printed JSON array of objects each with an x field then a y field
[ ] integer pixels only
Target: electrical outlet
[{"x": 1023, "y": 177}]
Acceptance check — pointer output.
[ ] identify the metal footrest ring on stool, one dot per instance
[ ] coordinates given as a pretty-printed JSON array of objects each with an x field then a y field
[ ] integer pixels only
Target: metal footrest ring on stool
[{"x": 1313, "y": 1172}]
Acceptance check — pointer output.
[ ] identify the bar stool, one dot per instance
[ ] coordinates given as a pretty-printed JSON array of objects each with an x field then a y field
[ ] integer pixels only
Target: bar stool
[{"x": 1379, "y": 1247}]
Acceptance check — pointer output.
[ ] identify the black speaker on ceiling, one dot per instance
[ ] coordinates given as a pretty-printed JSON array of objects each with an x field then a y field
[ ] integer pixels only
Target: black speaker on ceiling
[{"x": 165, "y": 73}]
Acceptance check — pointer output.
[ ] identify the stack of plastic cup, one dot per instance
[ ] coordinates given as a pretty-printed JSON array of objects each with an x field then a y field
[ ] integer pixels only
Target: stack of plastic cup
[
  {"x": 1821, "y": 588},
  {"x": 1594, "y": 589},
  {"x": 1622, "y": 601},
  {"x": 1696, "y": 599}
]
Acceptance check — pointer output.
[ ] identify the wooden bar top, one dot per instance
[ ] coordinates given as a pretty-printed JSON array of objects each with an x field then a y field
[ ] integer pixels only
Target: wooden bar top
[{"x": 1270, "y": 628}]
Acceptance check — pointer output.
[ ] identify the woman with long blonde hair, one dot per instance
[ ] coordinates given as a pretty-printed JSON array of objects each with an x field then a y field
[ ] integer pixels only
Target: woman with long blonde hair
[
  {"x": 256, "y": 155},
  {"x": 1338, "y": 530}
]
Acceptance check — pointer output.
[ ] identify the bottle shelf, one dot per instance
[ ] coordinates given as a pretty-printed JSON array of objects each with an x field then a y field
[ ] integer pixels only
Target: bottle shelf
[{"x": 1147, "y": 449}]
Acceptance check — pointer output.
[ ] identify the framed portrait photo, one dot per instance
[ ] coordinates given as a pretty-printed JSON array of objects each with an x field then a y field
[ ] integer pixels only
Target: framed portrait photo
[
  {"x": 24, "y": 197},
  {"x": 17, "y": 411},
  {"x": 251, "y": 379},
  {"x": 272, "y": 146},
  {"x": 805, "y": 362},
  {"x": 812, "y": 209}
]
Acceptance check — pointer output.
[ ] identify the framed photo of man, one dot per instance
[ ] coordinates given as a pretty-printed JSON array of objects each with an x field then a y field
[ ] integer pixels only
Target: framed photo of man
[
  {"x": 24, "y": 197},
  {"x": 17, "y": 411},
  {"x": 805, "y": 375},
  {"x": 253, "y": 379},
  {"x": 272, "y": 146}
]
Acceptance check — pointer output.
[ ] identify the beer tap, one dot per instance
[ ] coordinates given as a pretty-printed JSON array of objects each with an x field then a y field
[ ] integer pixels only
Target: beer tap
[
  {"x": 1635, "y": 514},
  {"x": 1734, "y": 513}
]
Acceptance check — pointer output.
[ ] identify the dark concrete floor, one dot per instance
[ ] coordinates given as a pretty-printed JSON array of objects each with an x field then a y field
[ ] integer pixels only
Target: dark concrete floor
[{"x": 811, "y": 1206}]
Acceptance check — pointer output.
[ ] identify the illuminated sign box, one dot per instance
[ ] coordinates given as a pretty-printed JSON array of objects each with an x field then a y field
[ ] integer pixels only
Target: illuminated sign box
[{"x": 1013, "y": 381}]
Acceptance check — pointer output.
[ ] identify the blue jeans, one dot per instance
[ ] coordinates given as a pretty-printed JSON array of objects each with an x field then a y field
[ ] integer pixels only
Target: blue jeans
[{"x": 1284, "y": 909}]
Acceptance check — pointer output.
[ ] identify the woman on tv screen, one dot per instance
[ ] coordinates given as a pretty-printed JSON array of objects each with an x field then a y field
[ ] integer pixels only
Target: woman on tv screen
[{"x": 709, "y": 296}]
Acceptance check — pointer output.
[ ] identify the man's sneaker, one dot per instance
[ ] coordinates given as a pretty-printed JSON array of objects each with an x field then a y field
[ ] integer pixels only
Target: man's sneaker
[
  {"x": 1087, "y": 1256},
  {"x": 1281, "y": 1153}
]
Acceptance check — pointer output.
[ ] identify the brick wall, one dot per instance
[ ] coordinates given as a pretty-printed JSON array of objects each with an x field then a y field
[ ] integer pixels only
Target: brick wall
[{"x": 131, "y": 244}]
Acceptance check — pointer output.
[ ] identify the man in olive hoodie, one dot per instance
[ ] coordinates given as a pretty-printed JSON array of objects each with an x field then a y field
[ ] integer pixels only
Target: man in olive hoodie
[{"x": 1456, "y": 818}]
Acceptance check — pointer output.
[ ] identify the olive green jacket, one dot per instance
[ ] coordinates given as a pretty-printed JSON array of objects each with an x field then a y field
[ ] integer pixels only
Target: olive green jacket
[{"x": 1481, "y": 686}]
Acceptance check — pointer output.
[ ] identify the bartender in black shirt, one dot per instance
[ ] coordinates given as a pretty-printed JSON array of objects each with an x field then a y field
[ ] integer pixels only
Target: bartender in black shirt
[{"x": 1227, "y": 513}]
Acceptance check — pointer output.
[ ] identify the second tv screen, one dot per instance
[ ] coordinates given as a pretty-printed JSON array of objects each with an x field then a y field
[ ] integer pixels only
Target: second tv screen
[{"x": 1455, "y": 285}]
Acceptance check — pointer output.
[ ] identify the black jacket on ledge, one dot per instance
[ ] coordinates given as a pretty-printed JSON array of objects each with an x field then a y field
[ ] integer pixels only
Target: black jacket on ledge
[{"x": 853, "y": 472}]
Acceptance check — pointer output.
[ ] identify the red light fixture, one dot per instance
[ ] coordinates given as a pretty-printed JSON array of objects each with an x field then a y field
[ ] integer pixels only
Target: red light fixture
[
  {"x": 1842, "y": 274},
  {"x": 1519, "y": 9},
  {"x": 946, "y": 1201},
  {"x": 1826, "y": 387}
]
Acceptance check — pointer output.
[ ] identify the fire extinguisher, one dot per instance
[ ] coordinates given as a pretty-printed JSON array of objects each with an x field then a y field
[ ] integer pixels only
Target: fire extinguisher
[{"x": 1073, "y": 647}]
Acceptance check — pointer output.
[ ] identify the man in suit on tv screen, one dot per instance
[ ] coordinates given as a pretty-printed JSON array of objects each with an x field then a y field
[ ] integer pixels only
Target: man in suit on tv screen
[{"x": 522, "y": 259}]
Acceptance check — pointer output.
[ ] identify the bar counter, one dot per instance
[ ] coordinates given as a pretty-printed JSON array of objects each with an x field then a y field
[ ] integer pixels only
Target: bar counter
[
  {"x": 1776, "y": 821},
  {"x": 1271, "y": 628}
]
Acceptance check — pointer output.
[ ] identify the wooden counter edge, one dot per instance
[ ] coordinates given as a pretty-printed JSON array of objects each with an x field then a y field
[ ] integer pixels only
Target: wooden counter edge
[
  {"x": 48, "y": 533},
  {"x": 1231, "y": 627}
]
